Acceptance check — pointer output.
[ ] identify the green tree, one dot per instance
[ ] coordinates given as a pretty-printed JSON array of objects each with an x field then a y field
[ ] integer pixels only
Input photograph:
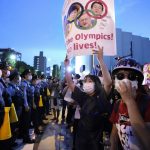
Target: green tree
[
  {"x": 7, "y": 57},
  {"x": 21, "y": 66}
]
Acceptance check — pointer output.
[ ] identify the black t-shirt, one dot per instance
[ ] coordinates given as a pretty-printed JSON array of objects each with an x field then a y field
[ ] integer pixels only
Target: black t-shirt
[{"x": 92, "y": 110}]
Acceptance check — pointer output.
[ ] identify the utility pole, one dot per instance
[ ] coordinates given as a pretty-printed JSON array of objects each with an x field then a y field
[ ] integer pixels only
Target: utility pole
[
  {"x": 131, "y": 50},
  {"x": 129, "y": 55}
]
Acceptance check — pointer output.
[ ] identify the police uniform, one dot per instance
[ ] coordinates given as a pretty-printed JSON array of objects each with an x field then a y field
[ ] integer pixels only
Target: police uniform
[
  {"x": 5, "y": 103},
  {"x": 26, "y": 114},
  {"x": 16, "y": 93},
  {"x": 17, "y": 99},
  {"x": 45, "y": 99},
  {"x": 34, "y": 109},
  {"x": 2, "y": 105}
]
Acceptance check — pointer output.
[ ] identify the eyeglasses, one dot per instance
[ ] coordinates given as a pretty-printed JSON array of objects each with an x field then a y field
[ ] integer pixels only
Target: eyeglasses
[{"x": 130, "y": 76}]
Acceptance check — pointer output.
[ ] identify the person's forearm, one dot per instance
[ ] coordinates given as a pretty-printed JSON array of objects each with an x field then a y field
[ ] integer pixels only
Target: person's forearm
[
  {"x": 69, "y": 79},
  {"x": 113, "y": 143},
  {"x": 68, "y": 76},
  {"x": 114, "y": 139},
  {"x": 107, "y": 81},
  {"x": 134, "y": 113},
  {"x": 138, "y": 124},
  {"x": 25, "y": 99}
]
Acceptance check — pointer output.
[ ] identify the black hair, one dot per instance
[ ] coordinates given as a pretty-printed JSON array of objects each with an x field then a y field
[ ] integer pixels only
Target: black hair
[
  {"x": 4, "y": 65},
  {"x": 49, "y": 77},
  {"x": 77, "y": 76},
  {"x": 25, "y": 72},
  {"x": 72, "y": 8},
  {"x": 100, "y": 93},
  {"x": 97, "y": 3},
  {"x": 43, "y": 76},
  {"x": 81, "y": 83},
  {"x": 13, "y": 75},
  {"x": 34, "y": 77},
  {"x": 96, "y": 80}
]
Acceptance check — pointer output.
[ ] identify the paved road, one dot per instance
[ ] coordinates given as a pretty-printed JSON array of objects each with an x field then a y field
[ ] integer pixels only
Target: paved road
[{"x": 56, "y": 137}]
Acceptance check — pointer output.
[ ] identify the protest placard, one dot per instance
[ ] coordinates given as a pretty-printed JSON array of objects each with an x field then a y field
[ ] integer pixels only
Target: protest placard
[
  {"x": 146, "y": 72},
  {"x": 87, "y": 24}
]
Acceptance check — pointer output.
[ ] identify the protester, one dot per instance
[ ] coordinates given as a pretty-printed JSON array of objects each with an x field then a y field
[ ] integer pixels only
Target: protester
[
  {"x": 93, "y": 103},
  {"x": 71, "y": 106},
  {"x": 77, "y": 111},
  {"x": 45, "y": 99},
  {"x": 131, "y": 114},
  {"x": 146, "y": 81},
  {"x": 49, "y": 83},
  {"x": 64, "y": 103},
  {"x": 54, "y": 99}
]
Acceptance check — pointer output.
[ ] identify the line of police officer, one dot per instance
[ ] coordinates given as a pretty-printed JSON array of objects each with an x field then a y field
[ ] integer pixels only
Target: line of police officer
[{"x": 23, "y": 99}]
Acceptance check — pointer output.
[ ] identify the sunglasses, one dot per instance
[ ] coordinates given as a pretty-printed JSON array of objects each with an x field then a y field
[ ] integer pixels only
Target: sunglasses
[{"x": 130, "y": 76}]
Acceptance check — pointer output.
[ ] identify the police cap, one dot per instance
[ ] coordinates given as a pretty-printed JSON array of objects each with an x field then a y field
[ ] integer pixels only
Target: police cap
[
  {"x": 34, "y": 77},
  {"x": 13, "y": 74},
  {"x": 4, "y": 65},
  {"x": 26, "y": 71}
]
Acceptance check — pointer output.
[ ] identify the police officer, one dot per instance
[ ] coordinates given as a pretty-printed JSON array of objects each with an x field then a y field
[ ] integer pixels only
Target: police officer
[
  {"x": 5, "y": 101},
  {"x": 16, "y": 92},
  {"x": 49, "y": 83},
  {"x": 45, "y": 100},
  {"x": 2, "y": 104},
  {"x": 3, "y": 80},
  {"x": 17, "y": 99},
  {"x": 34, "y": 110},
  {"x": 28, "y": 101}
]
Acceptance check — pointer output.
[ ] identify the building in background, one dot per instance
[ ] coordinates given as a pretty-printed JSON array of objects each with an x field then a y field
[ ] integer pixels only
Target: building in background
[
  {"x": 62, "y": 71},
  {"x": 40, "y": 63},
  {"x": 48, "y": 71},
  {"x": 56, "y": 71},
  {"x": 128, "y": 45}
]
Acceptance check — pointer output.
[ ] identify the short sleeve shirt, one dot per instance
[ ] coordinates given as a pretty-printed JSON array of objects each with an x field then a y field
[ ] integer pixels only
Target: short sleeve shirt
[
  {"x": 125, "y": 131},
  {"x": 91, "y": 110}
]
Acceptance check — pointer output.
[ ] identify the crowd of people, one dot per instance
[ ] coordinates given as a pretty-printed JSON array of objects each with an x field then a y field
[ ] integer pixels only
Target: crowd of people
[
  {"x": 114, "y": 113},
  {"x": 111, "y": 111}
]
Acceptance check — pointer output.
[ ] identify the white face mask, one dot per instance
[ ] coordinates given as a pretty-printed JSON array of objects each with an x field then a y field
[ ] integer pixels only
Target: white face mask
[
  {"x": 0, "y": 73},
  {"x": 7, "y": 80},
  {"x": 75, "y": 81},
  {"x": 8, "y": 73},
  {"x": 89, "y": 87},
  {"x": 134, "y": 84},
  {"x": 30, "y": 77},
  {"x": 38, "y": 81},
  {"x": 19, "y": 81},
  {"x": 44, "y": 80}
]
